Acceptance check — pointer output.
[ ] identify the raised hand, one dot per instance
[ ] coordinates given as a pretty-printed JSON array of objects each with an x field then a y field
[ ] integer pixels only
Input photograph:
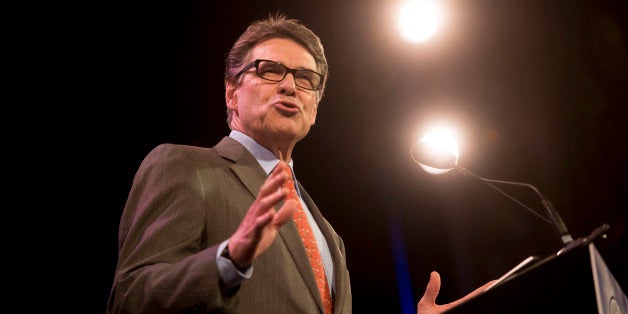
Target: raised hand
[
  {"x": 260, "y": 225},
  {"x": 427, "y": 304}
]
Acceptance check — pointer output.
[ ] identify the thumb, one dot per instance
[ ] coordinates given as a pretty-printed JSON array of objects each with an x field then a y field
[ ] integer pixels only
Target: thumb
[{"x": 432, "y": 289}]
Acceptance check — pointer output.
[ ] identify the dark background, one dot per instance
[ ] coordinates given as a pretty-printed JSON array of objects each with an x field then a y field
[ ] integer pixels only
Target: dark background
[{"x": 536, "y": 88}]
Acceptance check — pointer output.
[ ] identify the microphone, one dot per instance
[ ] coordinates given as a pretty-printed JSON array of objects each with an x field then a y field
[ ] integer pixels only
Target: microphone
[
  {"x": 434, "y": 156},
  {"x": 443, "y": 159}
]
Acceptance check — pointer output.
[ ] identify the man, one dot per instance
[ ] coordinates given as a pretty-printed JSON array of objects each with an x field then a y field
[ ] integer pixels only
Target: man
[{"x": 212, "y": 229}]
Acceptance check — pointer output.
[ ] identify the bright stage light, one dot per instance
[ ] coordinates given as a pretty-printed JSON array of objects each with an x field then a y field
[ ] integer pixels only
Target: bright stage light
[
  {"x": 418, "y": 20},
  {"x": 437, "y": 151}
]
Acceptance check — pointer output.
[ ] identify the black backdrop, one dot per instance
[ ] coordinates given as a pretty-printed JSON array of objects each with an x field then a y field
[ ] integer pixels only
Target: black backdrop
[{"x": 538, "y": 89}]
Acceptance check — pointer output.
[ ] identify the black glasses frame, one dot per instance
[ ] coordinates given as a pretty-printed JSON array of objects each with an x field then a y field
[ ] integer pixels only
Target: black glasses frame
[{"x": 255, "y": 64}]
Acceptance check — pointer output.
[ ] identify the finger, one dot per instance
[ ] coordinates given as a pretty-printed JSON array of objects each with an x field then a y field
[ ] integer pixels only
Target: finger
[
  {"x": 427, "y": 303},
  {"x": 433, "y": 288},
  {"x": 259, "y": 214},
  {"x": 272, "y": 183},
  {"x": 285, "y": 213},
  {"x": 261, "y": 222},
  {"x": 278, "y": 177},
  {"x": 270, "y": 194},
  {"x": 269, "y": 201}
]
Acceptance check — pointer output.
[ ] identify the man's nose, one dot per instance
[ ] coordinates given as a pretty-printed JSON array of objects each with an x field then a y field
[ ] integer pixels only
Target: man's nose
[{"x": 288, "y": 83}]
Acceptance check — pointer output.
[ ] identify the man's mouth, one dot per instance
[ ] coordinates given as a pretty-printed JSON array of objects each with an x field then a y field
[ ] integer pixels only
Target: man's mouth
[{"x": 287, "y": 107}]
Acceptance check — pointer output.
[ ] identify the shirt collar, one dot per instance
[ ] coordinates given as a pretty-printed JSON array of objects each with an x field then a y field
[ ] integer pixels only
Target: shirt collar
[{"x": 264, "y": 157}]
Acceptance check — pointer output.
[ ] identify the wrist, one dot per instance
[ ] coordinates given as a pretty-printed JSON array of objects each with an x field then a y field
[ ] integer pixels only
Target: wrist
[{"x": 226, "y": 254}]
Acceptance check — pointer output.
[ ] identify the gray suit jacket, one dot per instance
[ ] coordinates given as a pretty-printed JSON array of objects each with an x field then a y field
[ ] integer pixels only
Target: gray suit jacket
[{"x": 184, "y": 201}]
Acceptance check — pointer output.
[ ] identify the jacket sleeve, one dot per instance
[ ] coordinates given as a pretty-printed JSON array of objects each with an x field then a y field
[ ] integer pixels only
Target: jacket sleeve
[{"x": 165, "y": 264}]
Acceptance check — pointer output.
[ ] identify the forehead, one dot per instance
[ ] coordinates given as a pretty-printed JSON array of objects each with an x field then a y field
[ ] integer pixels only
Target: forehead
[{"x": 285, "y": 51}]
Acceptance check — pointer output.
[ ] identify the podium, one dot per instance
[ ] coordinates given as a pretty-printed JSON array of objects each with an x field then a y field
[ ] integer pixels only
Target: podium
[{"x": 573, "y": 280}]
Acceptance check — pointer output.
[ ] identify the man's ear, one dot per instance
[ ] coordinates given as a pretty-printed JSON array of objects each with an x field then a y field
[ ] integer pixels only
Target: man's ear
[{"x": 231, "y": 97}]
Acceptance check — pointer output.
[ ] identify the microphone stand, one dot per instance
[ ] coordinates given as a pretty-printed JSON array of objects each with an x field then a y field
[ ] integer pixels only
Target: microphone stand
[
  {"x": 568, "y": 243},
  {"x": 554, "y": 218},
  {"x": 439, "y": 158}
]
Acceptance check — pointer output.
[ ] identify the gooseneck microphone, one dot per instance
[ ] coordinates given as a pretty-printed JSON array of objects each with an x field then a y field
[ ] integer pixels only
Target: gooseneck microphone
[
  {"x": 554, "y": 217},
  {"x": 442, "y": 159}
]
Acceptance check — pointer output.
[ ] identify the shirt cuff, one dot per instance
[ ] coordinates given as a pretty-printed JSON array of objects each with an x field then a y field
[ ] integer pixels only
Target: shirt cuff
[{"x": 230, "y": 275}]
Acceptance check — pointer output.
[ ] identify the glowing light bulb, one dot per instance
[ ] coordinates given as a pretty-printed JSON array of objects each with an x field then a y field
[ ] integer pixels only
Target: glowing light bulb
[
  {"x": 418, "y": 20},
  {"x": 437, "y": 151}
]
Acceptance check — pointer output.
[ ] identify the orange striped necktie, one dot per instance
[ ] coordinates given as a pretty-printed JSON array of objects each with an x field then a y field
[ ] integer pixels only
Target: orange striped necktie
[{"x": 309, "y": 242}]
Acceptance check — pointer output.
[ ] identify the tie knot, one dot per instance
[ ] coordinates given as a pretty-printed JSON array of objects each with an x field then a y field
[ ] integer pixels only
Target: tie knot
[{"x": 291, "y": 183}]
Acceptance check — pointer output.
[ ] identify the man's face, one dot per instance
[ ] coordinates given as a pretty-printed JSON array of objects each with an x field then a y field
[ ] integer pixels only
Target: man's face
[{"x": 272, "y": 112}]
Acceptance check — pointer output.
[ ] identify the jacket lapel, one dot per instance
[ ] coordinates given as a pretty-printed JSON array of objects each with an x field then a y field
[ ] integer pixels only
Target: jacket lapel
[
  {"x": 244, "y": 166},
  {"x": 252, "y": 176}
]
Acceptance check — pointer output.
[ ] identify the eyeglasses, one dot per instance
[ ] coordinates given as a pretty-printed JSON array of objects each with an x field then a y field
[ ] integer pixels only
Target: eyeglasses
[{"x": 275, "y": 72}]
